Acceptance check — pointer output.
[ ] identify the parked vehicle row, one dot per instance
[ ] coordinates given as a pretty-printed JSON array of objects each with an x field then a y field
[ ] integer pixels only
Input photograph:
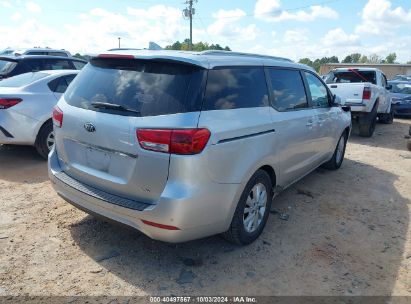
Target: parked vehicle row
[
  {"x": 182, "y": 145},
  {"x": 35, "y": 51},
  {"x": 186, "y": 145},
  {"x": 11, "y": 65},
  {"x": 365, "y": 90}
]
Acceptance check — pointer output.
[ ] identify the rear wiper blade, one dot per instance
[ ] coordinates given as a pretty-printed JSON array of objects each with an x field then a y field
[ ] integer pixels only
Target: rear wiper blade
[{"x": 107, "y": 105}]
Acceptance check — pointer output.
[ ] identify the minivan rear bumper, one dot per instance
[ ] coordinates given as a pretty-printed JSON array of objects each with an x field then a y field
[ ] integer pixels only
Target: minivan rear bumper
[{"x": 189, "y": 214}]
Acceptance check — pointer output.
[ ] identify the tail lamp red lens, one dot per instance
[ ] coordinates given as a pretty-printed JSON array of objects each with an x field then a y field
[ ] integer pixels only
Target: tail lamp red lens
[
  {"x": 174, "y": 141},
  {"x": 6, "y": 103},
  {"x": 161, "y": 226},
  {"x": 57, "y": 117},
  {"x": 366, "y": 94}
]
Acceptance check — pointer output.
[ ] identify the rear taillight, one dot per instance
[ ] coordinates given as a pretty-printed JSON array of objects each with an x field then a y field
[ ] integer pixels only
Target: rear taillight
[
  {"x": 366, "y": 94},
  {"x": 176, "y": 141},
  {"x": 57, "y": 116},
  {"x": 6, "y": 103}
]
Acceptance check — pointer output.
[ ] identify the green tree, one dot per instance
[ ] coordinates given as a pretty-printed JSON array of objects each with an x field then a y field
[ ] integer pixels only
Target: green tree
[
  {"x": 409, "y": 62},
  {"x": 347, "y": 59},
  {"x": 317, "y": 63},
  {"x": 79, "y": 56},
  {"x": 352, "y": 58},
  {"x": 355, "y": 57},
  {"x": 306, "y": 61},
  {"x": 374, "y": 58},
  {"x": 391, "y": 58},
  {"x": 363, "y": 59},
  {"x": 198, "y": 47}
]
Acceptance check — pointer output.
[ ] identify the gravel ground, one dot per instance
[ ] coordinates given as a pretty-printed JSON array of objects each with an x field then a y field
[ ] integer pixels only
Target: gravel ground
[{"x": 348, "y": 233}]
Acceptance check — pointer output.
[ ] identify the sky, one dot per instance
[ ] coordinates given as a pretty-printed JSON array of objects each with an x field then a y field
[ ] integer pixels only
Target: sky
[{"x": 294, "y": 28}]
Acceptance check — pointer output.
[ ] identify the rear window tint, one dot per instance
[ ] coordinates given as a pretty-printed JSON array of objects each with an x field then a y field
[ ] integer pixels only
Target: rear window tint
[
  {"x": 78, "y": 64},
  {"x": 150, "y": 87},
  {"x": 352, "y": 77},
  {"x": 7, "y": 66},
  {"x": 232, "y": 88},
  {"x": 22, "y": 79},
  {"x": 57, "y": 64},
  {"x": 288, "y": 90},
  {"x": 32, "y": 65}
]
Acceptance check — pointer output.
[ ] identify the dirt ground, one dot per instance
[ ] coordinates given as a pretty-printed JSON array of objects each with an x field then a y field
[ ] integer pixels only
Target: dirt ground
[{"x": 348, "y": 233}]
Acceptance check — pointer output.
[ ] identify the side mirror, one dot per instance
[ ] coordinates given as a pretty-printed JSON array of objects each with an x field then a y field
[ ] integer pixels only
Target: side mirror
[
  {"x": 388, "y": 87},
  {"x": 336, "y": 101}
]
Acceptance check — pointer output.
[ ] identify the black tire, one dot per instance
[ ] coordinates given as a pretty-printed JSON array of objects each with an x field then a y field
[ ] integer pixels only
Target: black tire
[
  {"x": 387, "y": 118},
  {"x": 237, "y": 233},
  {"x": 367, "y": 124},
  {"x": 334, "y": 163},
  {"x": 41, "y": 144}
]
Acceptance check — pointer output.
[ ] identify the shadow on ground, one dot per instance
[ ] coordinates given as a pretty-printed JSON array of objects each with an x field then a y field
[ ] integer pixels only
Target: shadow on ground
[
  {"x": 335, "y": 242},
  {"x": 22, "y": 164},
  {"x": 393, "y": 135}
]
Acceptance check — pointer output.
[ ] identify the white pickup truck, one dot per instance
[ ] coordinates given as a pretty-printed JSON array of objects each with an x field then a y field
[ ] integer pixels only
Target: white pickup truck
[{"x": 365, "y": 90}]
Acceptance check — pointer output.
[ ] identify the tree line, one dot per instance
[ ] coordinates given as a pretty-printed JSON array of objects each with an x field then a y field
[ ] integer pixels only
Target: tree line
[
  {"x": 352, "y": 58},
  {"x": 197, "y": 47}
]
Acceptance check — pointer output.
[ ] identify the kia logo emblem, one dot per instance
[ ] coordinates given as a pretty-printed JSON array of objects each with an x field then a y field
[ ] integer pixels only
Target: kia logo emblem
[{"x": 89, "y": 127}]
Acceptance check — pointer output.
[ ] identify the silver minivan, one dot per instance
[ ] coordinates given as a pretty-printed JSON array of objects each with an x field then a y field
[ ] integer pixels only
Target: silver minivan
[{"x": 184, "y": 145}]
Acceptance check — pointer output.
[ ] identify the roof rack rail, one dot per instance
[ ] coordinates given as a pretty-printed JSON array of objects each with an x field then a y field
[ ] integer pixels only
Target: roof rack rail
[{"x": 230, "y": 53}]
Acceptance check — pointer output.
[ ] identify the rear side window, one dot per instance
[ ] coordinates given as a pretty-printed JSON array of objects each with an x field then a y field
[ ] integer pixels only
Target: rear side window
[
  {"x": 233, "y": 88},
  {"x": 352, "y": 76},
  {"x": 288, "y": 90},
  {"x": 149, "y": 87},
  {"x": 36, "y": 53},
  {"x": 22, "y": 79},
  {"x": 7, "y": 66},
  {"x": 62, "y": 54},
  {"x": 60, "y": 84},
  {"x": 57, "y": 64},
  {"x": 78, "y": 64},
  {"x": 33, "y": 65}
]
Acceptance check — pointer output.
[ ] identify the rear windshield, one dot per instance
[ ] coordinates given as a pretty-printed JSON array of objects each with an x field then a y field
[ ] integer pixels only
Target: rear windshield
[
  {"x": 352, "y": 77},
  {"x": 400, "y": 87},
  {"x": 6, "y": 66},
  {"x": 22, "y": 79},
  {"x": 148, "y": 87}
]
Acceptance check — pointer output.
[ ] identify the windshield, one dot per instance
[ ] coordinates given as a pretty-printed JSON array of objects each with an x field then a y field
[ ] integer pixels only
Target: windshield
[
  {"x": 6, "y": 66},
  {"x": 353, "y": 76},
  {"x": 7, "y": 52},
  {"x": 148, "y": 87},
  {"x": 22, "y": 80},
  {"x": 401, "y": 87}
]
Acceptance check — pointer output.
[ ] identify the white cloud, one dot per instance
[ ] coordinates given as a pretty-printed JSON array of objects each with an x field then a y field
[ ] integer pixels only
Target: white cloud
[
  {"x": 5, "y": 4},
  {"x": 234, "y": 14},
  {"x": 378, "y": 17},
  {"x": 263, "y": 8},
  {"x": 296, "y": 36},
  {"x": 271, "y": 11},
  {"x": 33, "y": 7},
  {"x": 16, "y": 16},
  {"x": 338, "y": 37},
  {"x": 227, "y": 29},
  {"x": 98, "y": 30}
]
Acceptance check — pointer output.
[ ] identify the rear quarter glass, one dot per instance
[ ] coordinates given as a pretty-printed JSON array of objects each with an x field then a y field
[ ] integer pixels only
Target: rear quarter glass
[{"x": 149, "y": 87}]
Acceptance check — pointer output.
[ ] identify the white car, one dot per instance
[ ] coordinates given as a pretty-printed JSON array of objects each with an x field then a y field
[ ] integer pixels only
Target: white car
[{"x": 26, "y": 105}]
